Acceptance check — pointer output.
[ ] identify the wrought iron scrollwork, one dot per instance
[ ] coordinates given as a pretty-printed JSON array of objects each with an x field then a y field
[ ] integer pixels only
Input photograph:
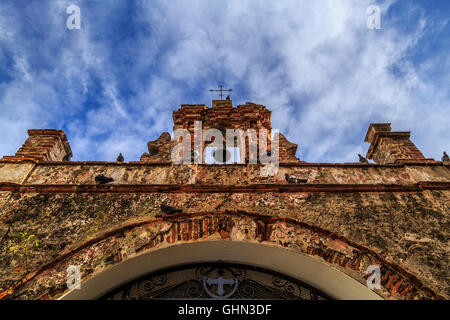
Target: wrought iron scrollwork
[{"x": 216, "y": 281}]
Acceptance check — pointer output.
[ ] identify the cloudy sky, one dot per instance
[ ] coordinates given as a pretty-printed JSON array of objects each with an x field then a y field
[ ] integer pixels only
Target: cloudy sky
[{"x": 112, "y": 85}]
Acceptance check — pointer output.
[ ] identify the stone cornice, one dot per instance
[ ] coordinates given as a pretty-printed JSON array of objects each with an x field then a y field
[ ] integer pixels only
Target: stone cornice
[{"x": 198, "y": 188}]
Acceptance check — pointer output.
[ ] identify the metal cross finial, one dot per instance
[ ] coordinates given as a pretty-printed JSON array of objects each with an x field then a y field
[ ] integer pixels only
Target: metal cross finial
[{"x": 221, "y": 89}]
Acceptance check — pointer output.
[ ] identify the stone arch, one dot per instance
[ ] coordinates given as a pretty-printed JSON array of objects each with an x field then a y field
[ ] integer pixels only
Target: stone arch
[
  {"x": 299, "y": 266},
  {"x": 331, "y": 263}
]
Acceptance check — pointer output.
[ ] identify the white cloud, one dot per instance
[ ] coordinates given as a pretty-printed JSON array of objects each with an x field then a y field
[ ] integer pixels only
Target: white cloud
[{"x": 320, "y": 50}]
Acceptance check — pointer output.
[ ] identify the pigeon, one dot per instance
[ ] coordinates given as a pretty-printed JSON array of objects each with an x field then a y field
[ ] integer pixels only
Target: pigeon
[
  {"x": 362, "y": 159},
  {"x": 227, "y": 98},
  {"x": 66, "y": 158},
  {"x": 169, "y": 210},
  {"x": 102, "y": 179},
  {"x": 292, "y": 179},
  {"x": 445, "y": 157},
  {"x": 120, "y": 158}
]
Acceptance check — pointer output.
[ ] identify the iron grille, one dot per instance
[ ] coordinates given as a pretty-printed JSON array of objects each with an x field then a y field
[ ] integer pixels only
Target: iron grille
[{"x": 216, "y": 281}]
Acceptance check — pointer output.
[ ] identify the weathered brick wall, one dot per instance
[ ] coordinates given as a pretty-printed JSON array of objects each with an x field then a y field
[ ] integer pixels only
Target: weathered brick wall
[
  {"x": 45, "y": 145},
  {"x": 222, "y": 115},
  {"x": 159, "y": 150},
  {"x": 118, "y": 244},
  {"x": 407, "y": 230},
  {"x": 388, "y": 147}
]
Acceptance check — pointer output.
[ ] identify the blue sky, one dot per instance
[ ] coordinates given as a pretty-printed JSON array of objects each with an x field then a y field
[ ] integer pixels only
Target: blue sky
[{"x": 113, "y": 84}]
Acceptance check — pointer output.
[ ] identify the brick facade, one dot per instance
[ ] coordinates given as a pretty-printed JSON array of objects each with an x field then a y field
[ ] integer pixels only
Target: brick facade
[
  {"x": 393, "y": 213},
  {"x": 44, "y": 145},
  {"x": 388, "y": 147},
  {"x": 222, "y": 115}
]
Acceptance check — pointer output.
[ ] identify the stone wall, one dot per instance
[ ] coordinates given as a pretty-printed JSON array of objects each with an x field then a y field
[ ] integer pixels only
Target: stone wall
[
  {"x": 80, "y": 173},
  {"x": 403, "y": 227}
]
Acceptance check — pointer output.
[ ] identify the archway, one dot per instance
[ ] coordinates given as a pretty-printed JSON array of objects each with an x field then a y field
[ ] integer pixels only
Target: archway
[{"x": 315, "y": 274}]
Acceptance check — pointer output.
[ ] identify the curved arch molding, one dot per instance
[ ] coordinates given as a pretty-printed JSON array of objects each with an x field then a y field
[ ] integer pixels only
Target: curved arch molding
[
  {"x": 318, "y": 257},
  {"x": 299, "y": 266}
]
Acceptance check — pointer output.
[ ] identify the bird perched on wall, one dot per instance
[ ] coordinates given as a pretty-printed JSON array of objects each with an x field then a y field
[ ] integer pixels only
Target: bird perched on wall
[
  {"x": 169, "y": 210},
  {"x": 120, "y": 158},
  {"x": 362, "y": 159},
  {"x": 445, "y": 157},
  {"x": 101, "y": 179},
  {"x": 293, "y": 179},
  {"x": 66, "y": 158}
]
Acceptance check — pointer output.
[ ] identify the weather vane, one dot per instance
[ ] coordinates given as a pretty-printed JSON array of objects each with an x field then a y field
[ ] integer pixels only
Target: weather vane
[{"x": 221, "y": 90}]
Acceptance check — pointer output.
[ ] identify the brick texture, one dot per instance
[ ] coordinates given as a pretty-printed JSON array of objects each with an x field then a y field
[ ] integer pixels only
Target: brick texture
[
  {"x": 387, "y": 147},
  {"x": 222, "y": 115}
]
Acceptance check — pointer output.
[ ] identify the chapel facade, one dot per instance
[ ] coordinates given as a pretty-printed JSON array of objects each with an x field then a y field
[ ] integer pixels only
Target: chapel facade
[{"x": 235, "y": 233}]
